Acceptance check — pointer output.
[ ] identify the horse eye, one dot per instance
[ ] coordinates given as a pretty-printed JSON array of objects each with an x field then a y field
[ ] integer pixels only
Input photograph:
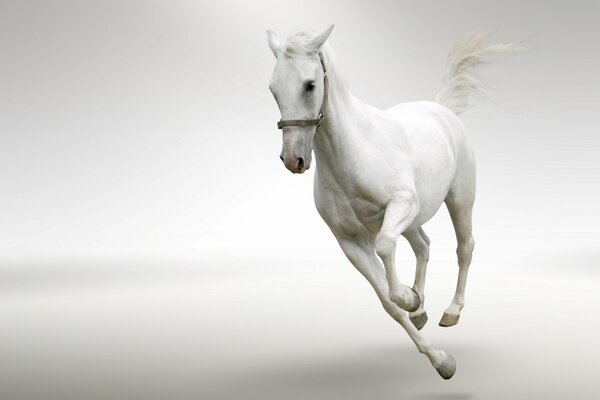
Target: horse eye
[{"x": 309, "y": 86}]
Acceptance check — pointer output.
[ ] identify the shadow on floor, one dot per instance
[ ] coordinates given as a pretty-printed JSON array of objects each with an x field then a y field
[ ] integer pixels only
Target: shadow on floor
[{"x": 382, "y": 373}]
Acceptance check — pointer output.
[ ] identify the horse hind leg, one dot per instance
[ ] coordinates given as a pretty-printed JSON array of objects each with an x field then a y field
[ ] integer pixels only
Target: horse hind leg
[
  {"x": 419, "y": 242},
  {"x": 460, "y": 207}
]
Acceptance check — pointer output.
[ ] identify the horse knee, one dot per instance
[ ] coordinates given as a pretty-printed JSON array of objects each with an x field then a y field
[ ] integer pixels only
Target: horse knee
[{"x": 385, "y": 244}]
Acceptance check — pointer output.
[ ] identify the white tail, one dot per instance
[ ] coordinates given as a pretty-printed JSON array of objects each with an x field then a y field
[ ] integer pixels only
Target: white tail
[{"x": 463, "y": 77}]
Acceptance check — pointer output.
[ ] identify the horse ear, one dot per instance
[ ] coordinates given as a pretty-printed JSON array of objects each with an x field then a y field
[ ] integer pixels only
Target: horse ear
[
  {"x": 273, "y": 43},
  {"x": 317, "y": 42}
]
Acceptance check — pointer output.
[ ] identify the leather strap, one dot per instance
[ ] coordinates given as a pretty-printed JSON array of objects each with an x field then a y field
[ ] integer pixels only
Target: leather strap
[
  {"x": 325, "y": 86},
  {"x": 309, "y": 122},
  {"x": 297, "y": 122}
]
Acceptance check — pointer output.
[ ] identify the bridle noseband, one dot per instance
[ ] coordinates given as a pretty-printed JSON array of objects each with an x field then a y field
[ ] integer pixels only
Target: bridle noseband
[{"x": 309, "y": 122}]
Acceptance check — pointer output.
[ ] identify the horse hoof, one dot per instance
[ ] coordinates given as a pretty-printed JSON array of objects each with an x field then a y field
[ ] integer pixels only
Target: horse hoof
[
  {"x": 447, "y": 368},
  {"x": 449, "y": 320},
  {"x": 419, "y": 320}
]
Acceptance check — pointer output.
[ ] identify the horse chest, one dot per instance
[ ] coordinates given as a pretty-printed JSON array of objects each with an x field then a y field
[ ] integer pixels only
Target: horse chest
[
  {"x": 368, "y": 213},
  {"x": 348, "y": 213}
]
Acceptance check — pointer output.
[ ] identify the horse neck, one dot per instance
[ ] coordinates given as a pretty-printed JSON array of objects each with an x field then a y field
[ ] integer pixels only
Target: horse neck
[{"x": 334, "y": 139}]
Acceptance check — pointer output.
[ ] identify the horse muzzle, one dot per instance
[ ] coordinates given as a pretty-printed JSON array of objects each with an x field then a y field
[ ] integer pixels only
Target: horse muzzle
[{"x": 294, "y": 164}]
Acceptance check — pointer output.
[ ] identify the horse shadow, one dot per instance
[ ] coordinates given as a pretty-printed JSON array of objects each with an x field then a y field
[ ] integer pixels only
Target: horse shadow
[{"x": 380, "y": 373}]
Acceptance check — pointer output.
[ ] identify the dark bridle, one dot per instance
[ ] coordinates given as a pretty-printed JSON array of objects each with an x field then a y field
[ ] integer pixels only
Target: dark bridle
[{"x": 308, "y": 122}]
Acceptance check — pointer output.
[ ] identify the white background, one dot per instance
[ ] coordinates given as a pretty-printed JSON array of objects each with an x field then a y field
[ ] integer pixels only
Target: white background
[{"x": 152, "y": 244}]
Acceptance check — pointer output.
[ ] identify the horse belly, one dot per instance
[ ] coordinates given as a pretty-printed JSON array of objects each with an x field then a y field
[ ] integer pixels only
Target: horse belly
[{"x": 429, "y": 205}]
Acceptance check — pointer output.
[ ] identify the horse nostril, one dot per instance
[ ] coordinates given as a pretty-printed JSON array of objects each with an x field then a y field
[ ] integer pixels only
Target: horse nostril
[
  {"x": 281, "y": 158},
  {"x": 300, "y": 163}
]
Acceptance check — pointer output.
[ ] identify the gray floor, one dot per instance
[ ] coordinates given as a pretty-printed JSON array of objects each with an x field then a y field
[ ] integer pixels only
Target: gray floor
[{"x": 267, "y": 328}]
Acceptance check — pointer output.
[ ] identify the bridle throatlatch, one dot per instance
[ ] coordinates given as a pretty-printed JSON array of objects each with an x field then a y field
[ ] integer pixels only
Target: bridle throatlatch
[{"x": 317, "y": 121}]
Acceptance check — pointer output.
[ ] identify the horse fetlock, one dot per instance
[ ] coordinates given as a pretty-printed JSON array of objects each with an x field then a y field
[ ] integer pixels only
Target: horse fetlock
[
  {"x": 397, "y": 298},
  {"x": 458, "y": 303},
  {"x": 420, "y": 292},
  {"x": 405, "y": 298}
]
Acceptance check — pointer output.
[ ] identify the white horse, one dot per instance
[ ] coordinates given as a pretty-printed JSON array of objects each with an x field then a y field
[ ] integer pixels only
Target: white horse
[{"x": 382, "y": 174}]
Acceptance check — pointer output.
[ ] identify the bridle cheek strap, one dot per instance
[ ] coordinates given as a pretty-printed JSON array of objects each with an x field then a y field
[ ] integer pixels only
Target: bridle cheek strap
[{"x": 310, "y": 122}]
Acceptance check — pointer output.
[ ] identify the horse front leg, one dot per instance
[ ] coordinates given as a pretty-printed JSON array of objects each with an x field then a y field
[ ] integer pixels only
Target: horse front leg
[
  {"x": 361, "y": 254},
  {"x": 400, "y": 212}
]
